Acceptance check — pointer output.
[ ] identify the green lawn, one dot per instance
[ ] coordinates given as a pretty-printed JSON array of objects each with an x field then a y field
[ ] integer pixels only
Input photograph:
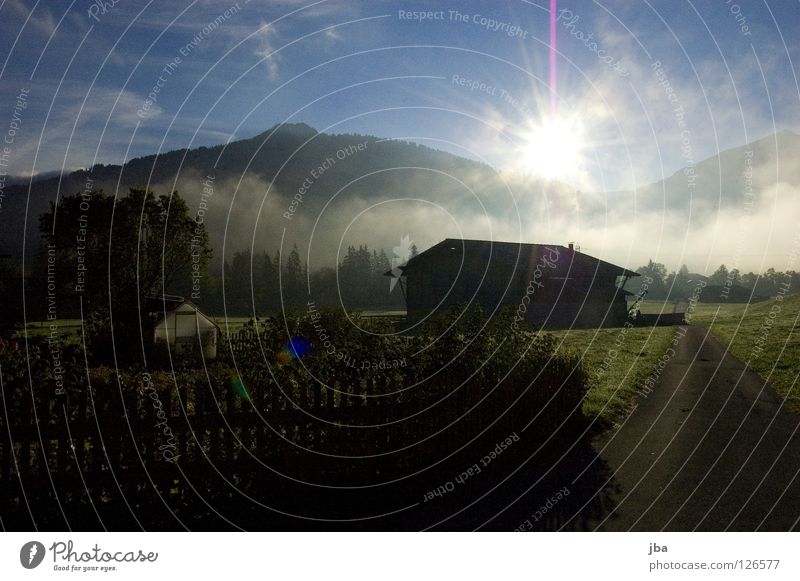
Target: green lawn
[
  {"x": 764, "y": 335},
  {"x": 71, "y": 328},
  {"x": 68, "y": 329},
  {"x": 618, "y": 360},
  {"x": 653, "y": 307},
  {"x": 701, "y": 312}
]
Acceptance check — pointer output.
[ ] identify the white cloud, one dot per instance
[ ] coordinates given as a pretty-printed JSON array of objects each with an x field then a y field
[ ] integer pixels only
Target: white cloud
[
  {"x": 333, "y": 34},
  {"x": 265, "y": 49},
  {"x": 42, "y": 19}
]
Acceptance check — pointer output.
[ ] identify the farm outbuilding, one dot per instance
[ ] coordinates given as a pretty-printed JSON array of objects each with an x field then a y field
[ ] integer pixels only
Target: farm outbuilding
[
  {"x": 181, "y": 328},
  {"x": 549, "y": 286}
]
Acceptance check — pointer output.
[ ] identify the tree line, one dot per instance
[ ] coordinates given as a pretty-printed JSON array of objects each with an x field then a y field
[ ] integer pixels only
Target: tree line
[
  {"x": 264, "y": 283},
  {"x": 680, "y": 284},
  {"x": 102, "y": 256}
]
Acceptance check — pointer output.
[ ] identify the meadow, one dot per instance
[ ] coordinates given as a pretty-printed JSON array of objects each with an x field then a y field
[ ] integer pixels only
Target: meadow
[
  {"x": 763, "y": 335},
  {"x": 70, "y": 329},
  {"x": 617, "y": 361}
]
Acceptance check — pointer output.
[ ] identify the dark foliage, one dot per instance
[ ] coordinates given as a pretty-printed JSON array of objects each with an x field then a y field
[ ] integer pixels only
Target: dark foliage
[{"x": 262, "y": 430}]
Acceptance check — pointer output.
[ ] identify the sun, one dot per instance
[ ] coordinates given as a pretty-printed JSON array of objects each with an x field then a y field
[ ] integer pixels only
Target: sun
[{"x": 552, "y": 149}]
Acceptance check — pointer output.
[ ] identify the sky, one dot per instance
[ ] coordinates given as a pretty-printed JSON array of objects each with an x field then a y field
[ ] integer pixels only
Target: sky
[
  {"x": 630, "y": 93},
  {"x": 471, "y": 78}
]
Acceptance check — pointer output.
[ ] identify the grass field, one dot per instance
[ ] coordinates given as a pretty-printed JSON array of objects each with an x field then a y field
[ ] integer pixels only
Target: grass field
[
  {"x": 71, "y": 328},
  {"x": 764, "y": 335},
  {"x": 68, "y": 330},
  {"x": 617, "y": 360}
]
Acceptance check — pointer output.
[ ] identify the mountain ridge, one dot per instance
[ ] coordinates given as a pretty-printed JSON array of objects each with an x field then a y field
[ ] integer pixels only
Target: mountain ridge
[{"x": 264, "y": 172}]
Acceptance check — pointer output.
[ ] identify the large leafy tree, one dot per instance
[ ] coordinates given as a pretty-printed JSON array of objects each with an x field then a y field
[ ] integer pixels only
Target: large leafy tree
[
  {"x": 11, "y": 312},
  {"x": 113, "y": 252}
]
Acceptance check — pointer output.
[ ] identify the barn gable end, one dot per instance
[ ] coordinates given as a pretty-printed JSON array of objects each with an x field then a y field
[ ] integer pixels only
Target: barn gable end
[{"x": 557, "y": 286}]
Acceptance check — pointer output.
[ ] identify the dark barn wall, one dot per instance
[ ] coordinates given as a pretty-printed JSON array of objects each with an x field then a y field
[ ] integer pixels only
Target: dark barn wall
[
  {"x": 446, "y": 278},
  {"x": 578, "y": 302},
  {"x": 573, "y": 290}
]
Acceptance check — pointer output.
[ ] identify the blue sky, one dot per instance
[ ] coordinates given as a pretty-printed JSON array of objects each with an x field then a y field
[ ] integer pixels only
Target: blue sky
[{"x": 368, "y": 67}]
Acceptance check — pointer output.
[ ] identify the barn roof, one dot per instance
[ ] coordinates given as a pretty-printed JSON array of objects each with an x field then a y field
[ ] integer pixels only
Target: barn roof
[{"x": 511, "y": 253}]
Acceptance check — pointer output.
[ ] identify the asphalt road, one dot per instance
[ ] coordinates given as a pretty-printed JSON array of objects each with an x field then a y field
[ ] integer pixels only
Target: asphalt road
[{"x": 710, "y": 449}]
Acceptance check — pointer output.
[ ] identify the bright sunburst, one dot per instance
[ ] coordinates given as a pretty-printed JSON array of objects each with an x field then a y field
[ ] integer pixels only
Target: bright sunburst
[{"x": 552, "y": 149}]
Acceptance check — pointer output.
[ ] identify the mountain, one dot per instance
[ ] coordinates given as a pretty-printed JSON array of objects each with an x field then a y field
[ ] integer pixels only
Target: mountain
[
  {"x": 720, "y": 182},
  {"x": 289, "y": 170},
  {"x": 293, "y": 185}
]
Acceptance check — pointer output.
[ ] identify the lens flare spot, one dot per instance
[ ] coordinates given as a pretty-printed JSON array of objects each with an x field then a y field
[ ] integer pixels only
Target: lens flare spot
[
  {"x": 283, "y": 357},
  {"x": 295, "y": 348},
  {"x": 239, "y": 387},
  {"x": 298, "y": 346}
]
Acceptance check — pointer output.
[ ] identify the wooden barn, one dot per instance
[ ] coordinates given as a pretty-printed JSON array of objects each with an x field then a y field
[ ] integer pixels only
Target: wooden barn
[{"x": 545, "y": 285}]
